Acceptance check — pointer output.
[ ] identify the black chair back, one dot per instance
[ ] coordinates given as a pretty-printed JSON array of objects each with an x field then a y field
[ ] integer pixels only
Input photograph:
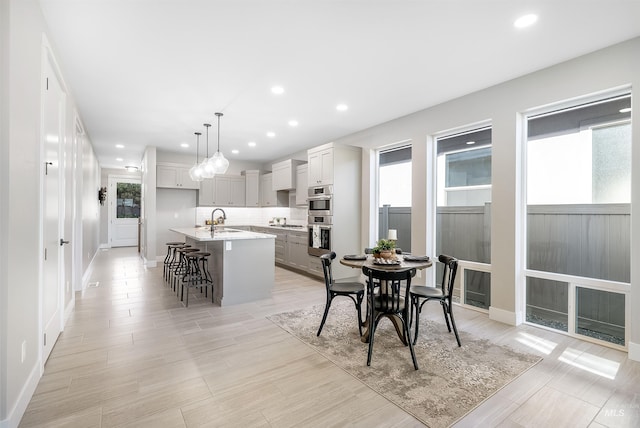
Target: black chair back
[
  {"x": 448, "y": 275},
  {"x": 326, "y": 260},
  {"x": 393, "y": 294}
]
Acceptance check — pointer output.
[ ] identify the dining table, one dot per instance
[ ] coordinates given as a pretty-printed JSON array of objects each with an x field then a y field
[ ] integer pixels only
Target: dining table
[{"x": 400, "y": 262}]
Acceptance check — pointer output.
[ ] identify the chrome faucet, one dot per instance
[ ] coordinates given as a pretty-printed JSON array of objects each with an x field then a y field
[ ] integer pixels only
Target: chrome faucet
[{"x": 224, "y": 216}]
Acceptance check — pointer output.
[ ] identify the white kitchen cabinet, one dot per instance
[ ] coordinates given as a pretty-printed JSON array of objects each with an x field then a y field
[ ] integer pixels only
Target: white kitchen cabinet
[
  {"x": 222, "y": 191},
  {"x": 175, "y": 176},
  {"x": 297, "y": 256},
  {"x": 205, "y": 194},
  {"x": 252, "y": 188},
  {"x": 229, "y": 191},
  {"x": 320, "y": 166},
  {"x": 284, "y": 174},
  {"x": 302, "y": 186},
  {"x": 270, "y": 197}
]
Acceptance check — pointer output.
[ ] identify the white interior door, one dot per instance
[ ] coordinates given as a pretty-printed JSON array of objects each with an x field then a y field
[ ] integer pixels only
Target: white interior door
[
  {"x": 53, "y": 210},
  {"x": 124, "y": 210}
]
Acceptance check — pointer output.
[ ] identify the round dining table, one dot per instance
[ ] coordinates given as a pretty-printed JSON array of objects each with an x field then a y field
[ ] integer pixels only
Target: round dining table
[
  {"x": 372, "y": 263},
  {"x": 399, "y": 264}
]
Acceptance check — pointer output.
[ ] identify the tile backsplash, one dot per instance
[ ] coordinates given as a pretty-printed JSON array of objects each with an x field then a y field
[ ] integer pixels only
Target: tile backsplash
[{"x": 240, "y": 216}]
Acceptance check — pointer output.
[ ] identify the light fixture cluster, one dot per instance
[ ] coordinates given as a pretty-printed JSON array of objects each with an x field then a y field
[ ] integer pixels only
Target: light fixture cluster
[{"x": 210, "y": 166}]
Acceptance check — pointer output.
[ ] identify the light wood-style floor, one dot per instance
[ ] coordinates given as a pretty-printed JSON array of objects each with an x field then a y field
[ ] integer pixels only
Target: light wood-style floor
[{"x": 132, "y": 355}]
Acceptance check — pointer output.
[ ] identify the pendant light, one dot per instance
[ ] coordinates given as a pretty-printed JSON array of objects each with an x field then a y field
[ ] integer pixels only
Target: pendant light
[
  {"x": 196, "y": 172},
  {"x": 218, "y": 162},
  {"x": 207, "y": 166}
]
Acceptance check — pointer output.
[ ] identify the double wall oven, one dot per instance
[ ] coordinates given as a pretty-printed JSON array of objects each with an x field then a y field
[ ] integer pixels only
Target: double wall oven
[{"x": 320, "y": 219}]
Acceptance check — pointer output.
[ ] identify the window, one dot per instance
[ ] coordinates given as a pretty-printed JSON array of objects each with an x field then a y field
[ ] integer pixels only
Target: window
[
  {"x": 128, "y": 200},
  {"x": 463, "y": 217},
  {"x": 578, "y": 193},
  {"x": 394, "y": 194}
]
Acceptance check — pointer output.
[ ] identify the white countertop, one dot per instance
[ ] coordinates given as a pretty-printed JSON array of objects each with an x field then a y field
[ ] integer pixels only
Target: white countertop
[{"x": 226, "y": 234}]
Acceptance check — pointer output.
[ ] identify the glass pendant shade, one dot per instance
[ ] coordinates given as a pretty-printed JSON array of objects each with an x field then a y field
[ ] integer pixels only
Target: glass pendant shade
[
  {"x": 219, "y": 162},
  {"x": 205, "y": 167},
  {"x": 195, "y": 172}
]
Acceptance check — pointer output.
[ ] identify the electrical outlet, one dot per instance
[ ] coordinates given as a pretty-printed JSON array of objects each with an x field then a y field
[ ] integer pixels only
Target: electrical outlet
[
  {"x": 419, "y": 274},
  {"x": 227, "y": 245},
  {"x": 24, "y": 351}
]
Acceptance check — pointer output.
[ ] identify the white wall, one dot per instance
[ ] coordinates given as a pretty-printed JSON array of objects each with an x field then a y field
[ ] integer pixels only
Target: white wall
[
  {"x": 614, "y": 67},
  {"x": 21, "y": 45}
]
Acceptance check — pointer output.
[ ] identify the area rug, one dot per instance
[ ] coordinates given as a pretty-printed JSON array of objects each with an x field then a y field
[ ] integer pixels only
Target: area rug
[{"x": 451, "y": 381}]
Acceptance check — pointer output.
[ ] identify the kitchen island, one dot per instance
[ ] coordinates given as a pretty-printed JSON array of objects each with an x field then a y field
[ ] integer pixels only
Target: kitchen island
[{"x": 241, "y": 262}]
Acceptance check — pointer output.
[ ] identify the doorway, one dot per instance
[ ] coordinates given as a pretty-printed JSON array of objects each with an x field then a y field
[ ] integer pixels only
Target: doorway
[
  {"x": 124, "y": 210},
  {"x": 53, "y": 202}
]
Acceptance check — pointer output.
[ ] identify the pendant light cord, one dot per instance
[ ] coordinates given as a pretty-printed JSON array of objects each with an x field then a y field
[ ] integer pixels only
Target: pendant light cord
[{"x": 218, "y": 114}]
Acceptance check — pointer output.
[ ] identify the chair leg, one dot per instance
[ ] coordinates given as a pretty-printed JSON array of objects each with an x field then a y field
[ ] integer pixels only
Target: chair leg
[
  {"x": 359, "y": 307},
  {"x": 453, "y": 323},
  {"x": 372, "y": 329},
  {"x": 413, "y": 353},
  {"x": 417, "y": 309},
  {"x": 326, "y": 312},
  {"x": 446, "y": 317}
]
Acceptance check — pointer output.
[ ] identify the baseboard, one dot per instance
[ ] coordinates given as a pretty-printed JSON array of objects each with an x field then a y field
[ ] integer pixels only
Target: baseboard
[
  {"x": 87, "y": 273},
  {"x": 69, "y": 310},
  {"x": 506, "y": 317},
  {"x": 149, "y": 263},
  {"x": 104, "y": 246},
  {"x": 29, "y": 388},
  {"x": 634, "y": 351}
]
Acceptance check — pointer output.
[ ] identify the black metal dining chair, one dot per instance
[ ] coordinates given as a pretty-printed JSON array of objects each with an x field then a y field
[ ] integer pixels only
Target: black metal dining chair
[
  {"x": 351, "y": 289},
  {"x": 421, "y": 294},
  {"x": 391, "y": 301}
]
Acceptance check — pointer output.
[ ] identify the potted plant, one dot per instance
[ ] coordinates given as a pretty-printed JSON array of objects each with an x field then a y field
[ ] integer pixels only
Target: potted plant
[{"x": 384, "y": 249}]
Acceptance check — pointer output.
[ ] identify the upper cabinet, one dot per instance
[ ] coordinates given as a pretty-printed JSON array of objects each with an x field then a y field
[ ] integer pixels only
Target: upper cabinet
[
  {"x": 222, "y": 191},
  {"x": 205, "y": 195},
  {"x": 302, "y": 185},
  {"x": 284, "y": 174},
  {"x": 320, "y": 165},
  {"x": 229, "y": 191},
  {"x": 174, "y": 176},
  {"x": 270, "y": 197},
  {"x": 252, "y": 187}
]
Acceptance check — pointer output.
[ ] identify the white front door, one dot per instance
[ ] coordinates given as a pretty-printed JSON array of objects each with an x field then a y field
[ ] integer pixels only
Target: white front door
[
  {"x": 124, "y": 210},
  {"x": 53, "y": 210}
]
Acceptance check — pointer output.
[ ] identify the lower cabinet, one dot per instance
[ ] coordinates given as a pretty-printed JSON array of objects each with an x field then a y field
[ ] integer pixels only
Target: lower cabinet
[
  {"x": 297, "y": 251},
  {"x": 315, "y": 266},
  {"x": 291, "y": 250}
]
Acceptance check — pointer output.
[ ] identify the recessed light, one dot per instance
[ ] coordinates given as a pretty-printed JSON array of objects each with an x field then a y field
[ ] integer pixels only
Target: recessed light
[
  {"x": 278, "y": 90},
  {"x": 625, "y": 110},
  {"x": 119, "y": 146},
  {"x": 342, "y": 107},
  {"x": 271, "y": 134},
  {"x": 470, "y": 143},
  {"x": 131, "y": 168},
  {"x": 185, "y": 145},
  {"x": 525, "y": 21},
  {"x": 119, "y": 159},
  {"x": 251, "y": 144},
  {"x": 293, "y": 123},
  {"x": 235, "y": 151}
]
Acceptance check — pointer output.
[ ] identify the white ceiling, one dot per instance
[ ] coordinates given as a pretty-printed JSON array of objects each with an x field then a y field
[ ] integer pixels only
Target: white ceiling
[{"x": 151, "y": 72}]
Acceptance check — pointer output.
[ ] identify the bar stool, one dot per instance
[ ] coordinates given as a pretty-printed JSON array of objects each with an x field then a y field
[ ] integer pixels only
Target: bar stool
[
  {"x": 196, "y": 274},
  {"x": 174, "y": 260},
  {"x": 171, "y": 248},
  {"x": 180, "y": 265}
]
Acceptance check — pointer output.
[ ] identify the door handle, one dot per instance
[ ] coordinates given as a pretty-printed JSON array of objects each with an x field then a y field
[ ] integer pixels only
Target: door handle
[{"x": 62, "y": 242}]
